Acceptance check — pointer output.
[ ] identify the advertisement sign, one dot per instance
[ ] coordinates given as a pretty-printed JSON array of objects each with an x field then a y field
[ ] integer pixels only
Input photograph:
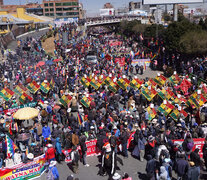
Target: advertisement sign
[
  {"x": 22, "y": 171},
  {"x": 198, "y": 143},
  {"x": 141, "y": 62},
  {"x": 107, "y": 12},
  {"x": 154, "y": 2}
]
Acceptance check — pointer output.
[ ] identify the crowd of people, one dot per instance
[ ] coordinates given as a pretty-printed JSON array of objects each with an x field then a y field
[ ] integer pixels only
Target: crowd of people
[{"x": 111, "y": 117}]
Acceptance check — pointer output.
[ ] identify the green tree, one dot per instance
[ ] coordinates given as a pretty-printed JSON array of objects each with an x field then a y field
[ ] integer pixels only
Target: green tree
[{"x": 194, "y": 43}]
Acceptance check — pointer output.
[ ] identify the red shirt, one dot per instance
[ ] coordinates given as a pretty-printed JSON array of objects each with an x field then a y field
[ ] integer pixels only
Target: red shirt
[{"x": 50, "y": 153}]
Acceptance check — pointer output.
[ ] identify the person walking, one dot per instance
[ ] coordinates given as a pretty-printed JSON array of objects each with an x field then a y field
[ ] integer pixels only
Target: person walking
[
  {"x": 124, "y": 139},
  {"x": 193, "y": 172},
  {"x": 181, "y": 168},
  {"x": 204, "y": 150},
  {"x": 58, "y": 149},
  {"x": 83, "y": 149},
  {"x": 75, "y": 158},
  {"x": 53, "y": 172}
]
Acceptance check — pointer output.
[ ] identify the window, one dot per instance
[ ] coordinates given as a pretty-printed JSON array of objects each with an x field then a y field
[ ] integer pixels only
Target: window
[
  {"x": 75, "y": 9},
  {"x": 46, "y": 10},
  {"x": 50, "y": 4},
  {"x": 58, "y": 4},
  {"x": 74, "y": 3},
  {"x": 51, "y": 14},
  {"x": 67, "y": 9},
  {"x": 59, "y": 14},
  {"x": 59, "y": 9},
  {"x": 51, "y": 9},
  {"x": 46, "y": 4},
  {"x": 46, "y": 14},
  {"x": 67, "y": 4}
]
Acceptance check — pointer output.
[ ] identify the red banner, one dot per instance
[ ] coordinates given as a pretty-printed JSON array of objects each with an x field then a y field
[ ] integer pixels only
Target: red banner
[
  {"x": 120, "y": 61},
  {"x": 92, "y": 150},
  {"x": 115, "y": 43},
  {"x": 198, "y": 143}
]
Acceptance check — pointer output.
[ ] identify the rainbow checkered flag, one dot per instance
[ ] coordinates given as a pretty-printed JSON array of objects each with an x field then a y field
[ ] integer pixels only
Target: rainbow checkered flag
[
  {"x": 152, "y": 113},
  {"x": 33, "y": 87},
  {"x": 6, "y": 94},
  {"x": 10, "y": 146},
  {"x": 45, "y": 87},
  {"x": 166, "y": 108},
  {"x": 65, "y": 100}
]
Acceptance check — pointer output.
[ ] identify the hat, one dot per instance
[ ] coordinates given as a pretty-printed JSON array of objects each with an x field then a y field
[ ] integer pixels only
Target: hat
[
  {"x": 49, "y": 145},
  {"x": 116, "y": 176},
  {"x": 92, "y": 127},
  {"x": 179, "y": 125},
  {"x": 8, "y": 114},
  {"x": 30, "y": 156},
  {"x": 46, "y": 102},
  {"x": 154, "y": 121},
  {"x": 151, "y": 138},
  {"x": 114, "y": 127},
  {"x": 52, "y": 163}
]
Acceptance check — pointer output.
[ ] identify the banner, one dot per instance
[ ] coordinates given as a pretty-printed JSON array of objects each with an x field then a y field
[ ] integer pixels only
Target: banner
[
  {"x": 198, "y": 143},
  {"x": 120, "y": 61},
  {"x": 14, "y": 109},
  {"x": 141, "y": 62},
  {"x": 92, "y": 150},
  {"x": 22, "y": 171},
  {"x": 115, "y": 43}
]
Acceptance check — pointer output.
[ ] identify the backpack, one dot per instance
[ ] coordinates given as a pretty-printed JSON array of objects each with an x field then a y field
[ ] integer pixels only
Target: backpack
[{"x": 50, "y": 175}]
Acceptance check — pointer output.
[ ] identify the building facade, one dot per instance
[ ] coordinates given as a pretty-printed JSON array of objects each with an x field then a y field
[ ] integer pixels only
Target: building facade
[{"x": 61, "y": 8}]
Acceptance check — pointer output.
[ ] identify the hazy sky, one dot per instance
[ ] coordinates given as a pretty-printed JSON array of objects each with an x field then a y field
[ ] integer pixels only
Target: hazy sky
[{"x": 91, "y": 6}]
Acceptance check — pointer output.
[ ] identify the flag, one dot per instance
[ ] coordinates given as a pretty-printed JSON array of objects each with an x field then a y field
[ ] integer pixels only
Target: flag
[
  {"x": 197, "y": 100},
  {"x": 174, "y": 79},
  {"x": 108, "y": 80},
  {"x": 113, "y": 86},
  {"x": 176, "y": 114},
  {"x": 33, "y": 87},
  {"x": 166, "y": 108},
  {"x": 136, "y": 83},
  {"x": 65, "y": 100},
  {"x": 166, "y": 94},
  {"x": 95, "y": 83},
  {"x": 86, "y": 101},
  {"x": 185, "y": 85},
  {"x": 152, "y": 113},
  {"x": 19, "y": 89},
  {"x": 151, "y": 82},
  {"x": 6, "y": 94},
  {"x": 123, "y": 83},
  {"x": 149, "y": 94},
  {"x": 23, "y": 97},
  {"x": 45, "y": 87},
  {"x": 10, "y": 128},
  {"x": 180, "y": 100},
  {"x": 52, "y": 83},
  {"x": 85, "y": 82},
  {"x": 10, "y": 146},
  {"x": 80, "y": 119},
  {"x": 160, "y": 80}
]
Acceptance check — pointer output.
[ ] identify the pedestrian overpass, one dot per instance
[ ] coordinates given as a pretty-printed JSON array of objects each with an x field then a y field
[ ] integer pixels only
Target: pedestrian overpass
[{"x": 108, "y": 21}]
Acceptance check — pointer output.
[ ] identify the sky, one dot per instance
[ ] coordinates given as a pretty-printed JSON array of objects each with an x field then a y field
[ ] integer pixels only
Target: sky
[{"x": 91, "y": 6}]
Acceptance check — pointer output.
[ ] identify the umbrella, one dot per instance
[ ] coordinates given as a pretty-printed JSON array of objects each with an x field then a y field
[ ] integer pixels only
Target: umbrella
[
  {"x": 41, "y": 63},
  {"x": 23, "y": 136},
  {"x": 26, "y": 113},
  {"x": 57, "y": 60}
]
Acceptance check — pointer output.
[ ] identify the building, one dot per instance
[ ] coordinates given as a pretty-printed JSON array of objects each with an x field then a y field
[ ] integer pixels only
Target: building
[
  {"x": 61, "y": 8},
  {"x": 138, "y": 6},
  {"x": 1, "y": 2},
  {"x": 108, "y": 6}
]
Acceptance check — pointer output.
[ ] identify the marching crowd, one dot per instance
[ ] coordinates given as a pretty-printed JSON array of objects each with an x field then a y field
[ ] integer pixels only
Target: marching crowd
[{"x": 111, "y": 117}]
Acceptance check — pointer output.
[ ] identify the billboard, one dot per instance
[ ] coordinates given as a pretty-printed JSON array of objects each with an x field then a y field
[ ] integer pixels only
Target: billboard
[
  {"x": 154, "y": 2},
  {"x": 107, "y": 12}
]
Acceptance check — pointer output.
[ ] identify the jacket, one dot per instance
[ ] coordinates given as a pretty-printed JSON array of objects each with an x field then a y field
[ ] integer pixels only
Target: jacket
[
  {"x": 58, "y": 146},
  {"x": 181, "y": 167},
  {"x": 193, "y": 173},
  {"x": 46, "y": 132},
  {"x": 50, "y": 153}
]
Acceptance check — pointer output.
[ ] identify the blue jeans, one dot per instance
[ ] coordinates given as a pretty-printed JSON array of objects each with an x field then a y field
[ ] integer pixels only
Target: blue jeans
[{"x": 124, "y": 149}]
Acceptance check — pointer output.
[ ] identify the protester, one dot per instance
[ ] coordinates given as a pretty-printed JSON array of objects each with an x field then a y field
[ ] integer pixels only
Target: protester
[
  {"x": 53, "y": 172},
  {"x": 75, "y": 157}
]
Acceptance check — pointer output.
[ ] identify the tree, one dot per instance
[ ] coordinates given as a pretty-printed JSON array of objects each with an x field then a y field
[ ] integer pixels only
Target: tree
[{"x": 194, "y": 43}]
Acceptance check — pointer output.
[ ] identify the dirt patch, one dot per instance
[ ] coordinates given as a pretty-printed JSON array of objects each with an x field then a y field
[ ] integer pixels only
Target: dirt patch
[{"x": 49, "y": 44}]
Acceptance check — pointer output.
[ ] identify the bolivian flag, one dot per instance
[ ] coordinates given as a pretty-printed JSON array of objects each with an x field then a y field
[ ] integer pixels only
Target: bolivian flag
[
  {"x": 6, "y": 94},
  {"x": 95, "y": 83},
  {"x": 152, "y": 113},
  {"x": 65, "y": 100},
  {"x": 166, "y": 108},
  {"x": 113, "y": 87},
  {"x": 123, "y": 83},
  {"x": 176, "y": 114},
  {"x": 45, "y": 87},
  {"x": 174, "y": 79},
  {"x": 108, "y": 80},
  {"x": 149, "y": 94},
  {"x": 33, "y": 87},
  {"x": 136, "y": 83},
  {"x": 86, "y": 101},
  {"x": 166, "y": 94},
  {"x": 197, "y": 100},
  {"x": 23, "y": 97},
  {"x": 85, "y": 82},
  {"x": 151, "y": 82},
  {"x": 160, "y": 80}
]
